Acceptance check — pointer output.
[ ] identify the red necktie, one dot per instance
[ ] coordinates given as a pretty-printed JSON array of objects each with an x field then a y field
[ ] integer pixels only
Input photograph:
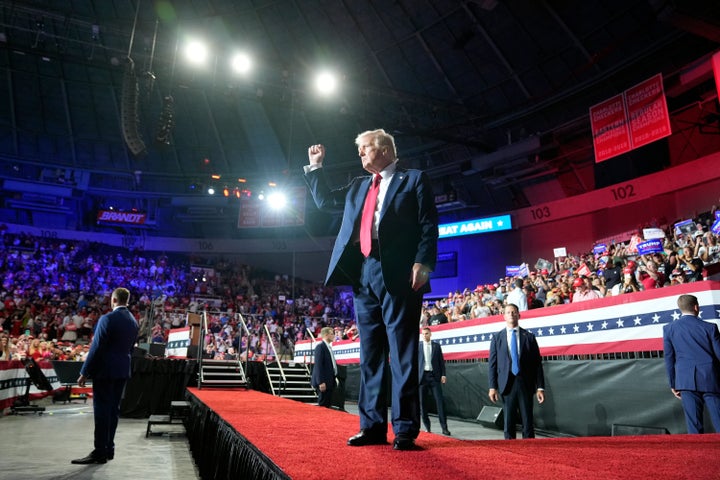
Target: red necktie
[{"x": 368, "y": 217}]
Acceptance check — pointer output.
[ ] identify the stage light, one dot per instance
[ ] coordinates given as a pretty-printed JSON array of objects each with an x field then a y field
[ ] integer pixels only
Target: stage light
[
  {"x": 261, "y": 196},
  {"x": 326, "y": 83},
  {"x": 241, "y": 63},
  {"x": 236, "y": 192},
  {"x": 196, "y": 52},
  {"x": 211, "y": 191},
  {"x": 226, "y": 192},
  {"x": 242, "y": 180},
  {"x": 215, "y": 176},
  {"x": 277, "y": 200}
]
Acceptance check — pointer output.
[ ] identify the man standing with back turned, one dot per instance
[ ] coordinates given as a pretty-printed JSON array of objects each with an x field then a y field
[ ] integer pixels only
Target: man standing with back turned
[
  {"x": 692, "y": 361},
  {"x": 385, "y": 250},
  {"x": 108, "y": 365}
]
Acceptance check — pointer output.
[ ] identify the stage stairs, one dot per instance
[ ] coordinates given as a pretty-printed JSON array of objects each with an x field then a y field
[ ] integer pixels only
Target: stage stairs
[
  {"x": 221, "y": 374},
  {"x": 291, "y": 380}
]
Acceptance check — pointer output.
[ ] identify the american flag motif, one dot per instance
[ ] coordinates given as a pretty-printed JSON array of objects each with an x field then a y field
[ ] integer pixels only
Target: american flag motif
[{"x": 626, "y": 323}]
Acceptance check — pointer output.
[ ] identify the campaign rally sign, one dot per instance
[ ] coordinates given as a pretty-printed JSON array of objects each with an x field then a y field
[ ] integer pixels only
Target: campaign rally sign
[
  {"x": 686, "y": 226},
  {"x": 651, "y": 246},
  {"x": 544, "y": 264},
  {"x": 650, "y": 233},
  {"x": 513, "y": 270},
  {"x": 600, "y": 248},
  {"x": 716, "y": 226},
  {"x": 584, "y": 271}
]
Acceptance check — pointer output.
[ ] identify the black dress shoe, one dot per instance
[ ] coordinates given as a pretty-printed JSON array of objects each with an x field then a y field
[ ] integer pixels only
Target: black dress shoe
[
  {"x": 111, "y": 455},
  {"x": 446, "y": 432},
  {"x": 89, "y": 460},
  {"x": 402, "y": 442},
  {"x": 367, "y": 437}
]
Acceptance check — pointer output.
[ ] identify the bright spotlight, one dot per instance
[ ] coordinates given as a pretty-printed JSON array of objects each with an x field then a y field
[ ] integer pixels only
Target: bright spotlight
[
  {"x": 211, "y": 191},
  {"x": 241, "y": 63},
  {"x": 276, "y": 200},
  {"x": 196, "y": 52},
  {"x": 326, "y": 83}
]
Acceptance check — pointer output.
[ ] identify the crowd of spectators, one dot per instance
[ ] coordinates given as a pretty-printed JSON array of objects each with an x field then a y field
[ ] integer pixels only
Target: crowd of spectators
[
  {"x": 54, "y": 291},
  {"x": 687, "y": 255}
]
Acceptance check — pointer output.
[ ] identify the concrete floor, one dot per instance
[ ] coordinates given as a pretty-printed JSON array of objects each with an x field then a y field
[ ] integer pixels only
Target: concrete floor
[{"x": 40, "y": 447}]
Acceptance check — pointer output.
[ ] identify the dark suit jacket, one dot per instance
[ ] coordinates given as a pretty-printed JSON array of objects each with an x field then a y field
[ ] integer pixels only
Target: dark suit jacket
[
  {"x": 531, "y": 370},
  {"x": 407, "y": 232},
  {"x": 323, "y": 370},
  {"x": 692, "y": 354},
  {"x": 436, "y": 360},
  {"x": 112, "y": 346}
]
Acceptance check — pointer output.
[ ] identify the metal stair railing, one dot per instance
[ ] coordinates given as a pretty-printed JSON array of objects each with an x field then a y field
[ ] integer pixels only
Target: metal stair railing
[
  {"x": 283, "y": 378},
  {"x": 201, "y": 349},
  {"x": 241, "y": 321}
]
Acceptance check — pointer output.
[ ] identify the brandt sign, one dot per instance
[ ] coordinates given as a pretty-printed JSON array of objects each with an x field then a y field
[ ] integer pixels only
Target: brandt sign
[{"x": 121, "y": 217}]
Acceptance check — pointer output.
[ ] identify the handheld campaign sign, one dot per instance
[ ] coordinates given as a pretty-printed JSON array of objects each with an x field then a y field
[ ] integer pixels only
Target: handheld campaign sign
[
  {"x": 650, "y": 246},
  {"x": 686, "y": 227},
  {"x": 651, "y": 233},
  {"x": 600, "y": 248},
  {"x": 544, "y": 264},
  {"x": 716, "y": 226},
  {"x": 512, "y": 270}
]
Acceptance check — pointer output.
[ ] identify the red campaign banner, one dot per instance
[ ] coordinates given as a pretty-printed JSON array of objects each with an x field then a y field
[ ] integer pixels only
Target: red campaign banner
[
  {"x": 249, "y": 216},
  {"x": 112, "y": 216},
  {"x": 611, "y": 135},
  {"x": 716, "y": 69},
  {"x": 255, "y": 213},
  {"x": 647, "y": 111}
]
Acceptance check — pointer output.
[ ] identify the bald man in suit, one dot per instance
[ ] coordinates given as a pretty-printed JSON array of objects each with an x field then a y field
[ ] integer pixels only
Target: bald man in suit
[{"x": 385, "y": 250}]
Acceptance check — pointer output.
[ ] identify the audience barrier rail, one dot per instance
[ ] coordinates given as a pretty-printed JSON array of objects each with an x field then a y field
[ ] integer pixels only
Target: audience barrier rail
[{"x": 624, "y": 323}]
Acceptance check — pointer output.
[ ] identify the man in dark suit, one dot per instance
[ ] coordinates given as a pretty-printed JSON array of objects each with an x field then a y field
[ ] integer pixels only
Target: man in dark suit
[
  {"x": 108, "y": 365},
  {"x": 325, "y": 368},
  {"x": 692, "y": 361},
  {"x": 431, "y": 365},
  {"x": 385, "y": 250},
  {"x": 516, "y": 373}
]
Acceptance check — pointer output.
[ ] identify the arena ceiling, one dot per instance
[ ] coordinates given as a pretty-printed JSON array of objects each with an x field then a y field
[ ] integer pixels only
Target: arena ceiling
[{"x": 488, "y": 96}]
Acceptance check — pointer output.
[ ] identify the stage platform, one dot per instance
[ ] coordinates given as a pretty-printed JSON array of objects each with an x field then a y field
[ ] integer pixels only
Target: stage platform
[{"x": 249, "y": 434}]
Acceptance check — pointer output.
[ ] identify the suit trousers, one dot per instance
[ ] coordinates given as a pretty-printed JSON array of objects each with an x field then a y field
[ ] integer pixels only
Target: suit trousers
[
  {"x": 428, "y": 382},
  {"x": 107, "y": 395},
  {"x": 518, "y": 397},
  {"x": 325, "y": 398},
  {"x": 388, "y": 327},
  {"x": 693, "y": 403}
]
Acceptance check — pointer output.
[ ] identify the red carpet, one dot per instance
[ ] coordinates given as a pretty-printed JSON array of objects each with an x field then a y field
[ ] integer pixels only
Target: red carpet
[{"x": 308, "y": 442}]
